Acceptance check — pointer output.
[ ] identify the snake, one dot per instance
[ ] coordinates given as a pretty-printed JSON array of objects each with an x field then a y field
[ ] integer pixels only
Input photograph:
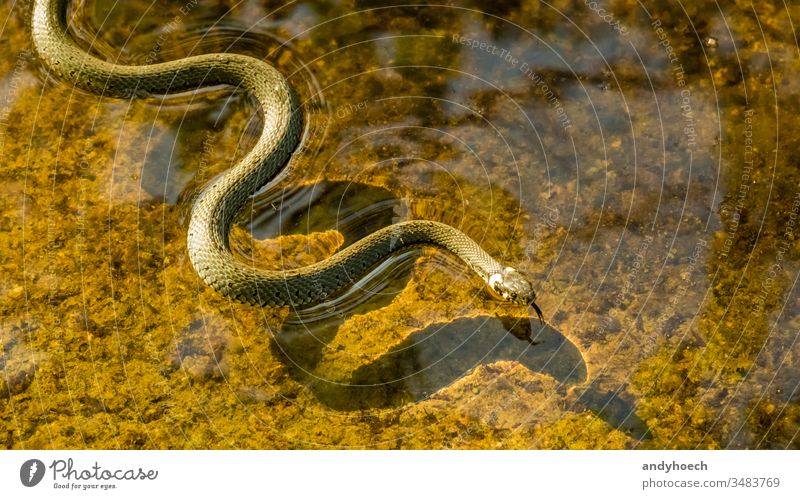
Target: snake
[{"x": 217, "y": 204}]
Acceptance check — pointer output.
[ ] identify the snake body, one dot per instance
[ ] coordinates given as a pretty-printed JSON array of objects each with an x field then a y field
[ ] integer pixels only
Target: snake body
[{"x": 216, "y": 206}]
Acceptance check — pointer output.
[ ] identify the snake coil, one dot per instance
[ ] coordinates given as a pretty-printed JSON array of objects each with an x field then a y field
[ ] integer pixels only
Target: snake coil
[{"x": 216, "y": 206}]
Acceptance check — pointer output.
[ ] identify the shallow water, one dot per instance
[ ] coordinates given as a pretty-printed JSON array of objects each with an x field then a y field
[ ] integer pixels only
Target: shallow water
[{"x": 639, "y": 166}]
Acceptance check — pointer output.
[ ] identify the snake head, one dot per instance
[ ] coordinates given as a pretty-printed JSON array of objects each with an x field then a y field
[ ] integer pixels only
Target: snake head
[{"x": 511, "y": 285}]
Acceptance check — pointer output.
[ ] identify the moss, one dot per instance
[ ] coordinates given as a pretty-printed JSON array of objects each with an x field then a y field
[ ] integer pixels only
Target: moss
[
  {"x": 109, "y": 339},
  {"x": 775, "y": 423},
  {"x": 582, "y": 432}
]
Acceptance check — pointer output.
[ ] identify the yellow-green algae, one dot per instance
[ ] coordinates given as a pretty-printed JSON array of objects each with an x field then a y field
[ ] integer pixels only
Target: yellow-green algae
[
  {"x": 686, "y": 385},
  {"x": 111, "y": 341}
]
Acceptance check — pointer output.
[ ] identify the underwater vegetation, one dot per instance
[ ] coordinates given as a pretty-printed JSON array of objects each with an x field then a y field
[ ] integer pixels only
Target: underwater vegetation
[{"x": 641, "y": 167}]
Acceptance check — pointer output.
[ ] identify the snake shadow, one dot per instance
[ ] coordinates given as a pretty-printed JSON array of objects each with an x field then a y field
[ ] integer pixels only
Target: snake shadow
[
  {"x": 427, "y": 360},
  {"x": 433, "y": 358}
]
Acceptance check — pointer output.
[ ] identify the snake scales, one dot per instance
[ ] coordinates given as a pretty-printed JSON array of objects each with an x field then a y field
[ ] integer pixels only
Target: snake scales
[{"x": 216, "y": 206}]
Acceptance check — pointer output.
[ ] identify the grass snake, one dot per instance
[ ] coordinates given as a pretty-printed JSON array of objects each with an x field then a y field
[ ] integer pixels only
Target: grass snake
[{"x": 216, "y": 206}]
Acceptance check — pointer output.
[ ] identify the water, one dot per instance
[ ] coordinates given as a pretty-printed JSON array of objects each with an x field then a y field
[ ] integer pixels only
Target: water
[{"x": 640, "y": 168}]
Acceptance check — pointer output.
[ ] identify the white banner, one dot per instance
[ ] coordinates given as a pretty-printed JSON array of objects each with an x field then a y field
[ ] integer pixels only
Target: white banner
[{"x": 400, "y": 474}]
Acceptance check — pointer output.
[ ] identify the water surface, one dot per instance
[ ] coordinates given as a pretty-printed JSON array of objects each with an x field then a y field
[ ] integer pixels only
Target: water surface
[{"x": 640, "y": 167}]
